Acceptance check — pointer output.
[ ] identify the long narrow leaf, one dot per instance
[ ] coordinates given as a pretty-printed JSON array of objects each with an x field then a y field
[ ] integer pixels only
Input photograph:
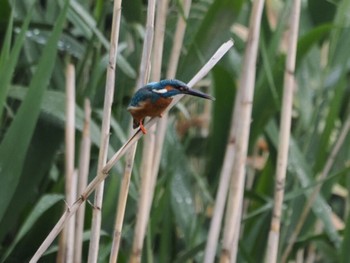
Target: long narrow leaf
[
  {"x": 43, "y": 205},
  {"x": 15, "y": 144},
  {"x": 8, "y": 63}
]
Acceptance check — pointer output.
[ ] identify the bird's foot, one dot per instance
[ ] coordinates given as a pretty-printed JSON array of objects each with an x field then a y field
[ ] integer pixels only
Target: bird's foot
[{"x": 143, "y": 129}]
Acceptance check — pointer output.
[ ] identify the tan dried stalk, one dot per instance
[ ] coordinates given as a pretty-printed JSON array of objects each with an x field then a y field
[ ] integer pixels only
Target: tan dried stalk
[
  {"x": 171, "y": 73},
  {"x": 66, "y": 244},
  {"x": 124, "y": 191},
  {"x": 162, "y": 10},
  {"x": 102, "y": 174},
  {"x": 221, "y": 194},
  {"x": 83, "y": 172},
  {"x": 310, "y": 201},
  {"x": 104, "y": 141},
  {"x": 284, "y": 135},
  {"x": 241, "y": 137},
  {"x": 123, "y": 196},
  {"x": 146, "y": 165}
]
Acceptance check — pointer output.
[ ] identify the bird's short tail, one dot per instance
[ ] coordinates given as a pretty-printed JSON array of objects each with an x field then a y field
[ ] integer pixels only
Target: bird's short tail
[{"x": 135, "y": 124}]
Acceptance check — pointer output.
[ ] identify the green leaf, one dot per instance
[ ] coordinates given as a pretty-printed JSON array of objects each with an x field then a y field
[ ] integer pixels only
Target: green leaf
[
  {"x": 15, "y": 144},
  {"x": 46, "y": 202},
  {"x": 221, "y": 15},
  {"x": 9, "y": 62},
  {"x": 225, "y": 90},
  {"x": 312, "y": 37},
  {"x": 344, "y": 252}
]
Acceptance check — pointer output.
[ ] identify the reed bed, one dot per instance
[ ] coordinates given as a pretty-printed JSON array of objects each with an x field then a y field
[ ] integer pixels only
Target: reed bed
[{"x": 260, "y": 174}]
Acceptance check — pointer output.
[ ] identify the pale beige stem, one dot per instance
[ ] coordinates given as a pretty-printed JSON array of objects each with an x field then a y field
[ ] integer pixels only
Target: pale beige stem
[
  {"x": 83, "y": 172},
  {"x": 146, "y": 166},
  {"x": 102, "y": 175},
  {"x": 123, "y": 197},
  {"x": 224, "y": 182},
  {"x": 171, "y": 73},
  {"x": 143, "y": 78},
  {"x": 66, "y": 244},
  {"x": 284, "y": 136},
  {"x": 246, "y": 86},
  {"x": 104, "y": 141},
  {"x": 155, "y": 150}
]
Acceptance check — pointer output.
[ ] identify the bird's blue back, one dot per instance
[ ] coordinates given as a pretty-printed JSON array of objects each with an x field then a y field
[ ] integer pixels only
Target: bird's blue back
[{"x": 146, "y": 93}]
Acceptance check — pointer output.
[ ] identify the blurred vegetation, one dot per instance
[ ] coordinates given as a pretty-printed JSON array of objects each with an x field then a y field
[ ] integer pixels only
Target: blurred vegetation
[{"x": 39, "y": 37}]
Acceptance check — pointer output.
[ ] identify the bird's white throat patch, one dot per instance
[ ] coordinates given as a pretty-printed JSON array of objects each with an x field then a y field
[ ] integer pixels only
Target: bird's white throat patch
[{"x": 161, "y": 91}]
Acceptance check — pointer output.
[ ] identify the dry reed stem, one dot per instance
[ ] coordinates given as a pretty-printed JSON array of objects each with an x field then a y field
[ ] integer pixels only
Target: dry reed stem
[
  {"x": 149, "y": 149},
  {"x": 284, "y": 136},
  {"x": 171, "y": 73},
  {"x": 83, "y": 172},
  {"x": 66, "y": 244},
  {"x": 104, "y": 141},
  {"x": 224, "y": 182},
  {"x": 123, "y": 196},
  {"x": 244, "y": 108},
  {"x": 102, "y": 174},
  {"x": 146, "y": 167},
  {"x": 221, "y": 193},
  {"x": 312, "y": 197},
  {"x": 124, "y": 191},
  {"x": 158, "y": 46}
]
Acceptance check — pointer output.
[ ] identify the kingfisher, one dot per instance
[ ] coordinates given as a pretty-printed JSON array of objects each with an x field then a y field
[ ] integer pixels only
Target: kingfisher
[{"x": 152, "y": 99}]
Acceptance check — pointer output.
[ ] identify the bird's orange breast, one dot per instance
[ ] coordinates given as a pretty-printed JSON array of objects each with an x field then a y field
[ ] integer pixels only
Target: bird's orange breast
[{"x": 148, "y": 108}]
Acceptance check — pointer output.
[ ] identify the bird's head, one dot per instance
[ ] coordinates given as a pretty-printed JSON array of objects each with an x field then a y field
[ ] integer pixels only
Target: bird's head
[{"x": 171, "y": 87}]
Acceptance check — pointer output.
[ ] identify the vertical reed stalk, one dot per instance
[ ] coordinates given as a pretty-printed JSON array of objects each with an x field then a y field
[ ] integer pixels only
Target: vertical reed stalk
[
  {"x": 146, "y": 167},
  {"x": 330, "y": 161},
  {"x": 102, "y": 175},
  {"x": 150, "y": 146},
  {"x": 284, "y": 136},
  {"x": 104, "y": 141},
  {"x": 171, "y": 73},
  {"x": 149, "y": 178},
  {"x": 243, "y": 111},
  {"x": 123, "y": 197},
  {"x": 66, "y": 245},
  {"x": 83, "y": 173},
  {"x": 221, "y": 194}
]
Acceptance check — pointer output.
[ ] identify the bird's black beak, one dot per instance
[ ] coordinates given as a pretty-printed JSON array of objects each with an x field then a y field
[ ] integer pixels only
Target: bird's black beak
[{"x": 198, "y": 93}]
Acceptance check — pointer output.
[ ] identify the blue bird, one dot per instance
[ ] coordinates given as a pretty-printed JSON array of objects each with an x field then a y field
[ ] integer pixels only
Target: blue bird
[{"x": 152, "y": 99}]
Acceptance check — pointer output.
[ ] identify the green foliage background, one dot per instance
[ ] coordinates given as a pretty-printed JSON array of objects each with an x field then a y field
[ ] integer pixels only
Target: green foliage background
[{"x": 37, "y": 38}]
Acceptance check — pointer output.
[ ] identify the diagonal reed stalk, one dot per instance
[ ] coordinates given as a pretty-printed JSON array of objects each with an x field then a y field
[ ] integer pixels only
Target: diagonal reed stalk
[
  {"x": 312, "y": 197},
  {"x": 284, "y": 136},
  {"x": 66, "y": 244},
  {"x": 241, "y": 138},
  {"x": 103, "y": 173},
  {"x": 104, "y": 140},
  {"x": 83, "y": 172}
]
